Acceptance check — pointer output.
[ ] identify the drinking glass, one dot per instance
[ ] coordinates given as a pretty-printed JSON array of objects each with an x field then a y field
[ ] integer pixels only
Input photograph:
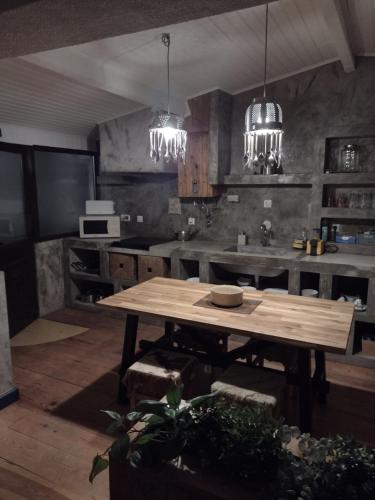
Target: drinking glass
[
  {"x": 366, "y": 200},
  {"x": 354, "y": 200}
]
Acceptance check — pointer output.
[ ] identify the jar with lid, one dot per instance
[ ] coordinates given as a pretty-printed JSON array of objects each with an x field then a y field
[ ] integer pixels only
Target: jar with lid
[{"x": 350, "y": 158}]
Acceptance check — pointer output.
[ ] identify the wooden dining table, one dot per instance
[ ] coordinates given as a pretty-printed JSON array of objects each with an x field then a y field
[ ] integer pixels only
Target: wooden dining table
[{"x": 302, "y": 322}]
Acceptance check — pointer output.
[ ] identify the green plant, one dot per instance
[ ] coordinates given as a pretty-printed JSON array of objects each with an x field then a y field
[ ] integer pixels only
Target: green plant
[
  {"x": 245, "y": 444},
  {"x": 328, "y": 469},
  {"x": 344, "y": 469},
  {"x": 163, "y": 437}
]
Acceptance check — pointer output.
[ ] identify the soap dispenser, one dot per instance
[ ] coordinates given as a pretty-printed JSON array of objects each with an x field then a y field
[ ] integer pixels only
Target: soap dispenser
[{"x": 241, "y": 238}]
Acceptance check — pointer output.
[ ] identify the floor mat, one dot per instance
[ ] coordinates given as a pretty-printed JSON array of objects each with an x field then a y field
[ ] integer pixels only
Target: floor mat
[{"x": 43, "y": 331}]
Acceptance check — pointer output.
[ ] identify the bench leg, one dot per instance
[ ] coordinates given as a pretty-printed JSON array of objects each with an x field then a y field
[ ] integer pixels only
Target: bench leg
[{"x": 128, "y": 354}]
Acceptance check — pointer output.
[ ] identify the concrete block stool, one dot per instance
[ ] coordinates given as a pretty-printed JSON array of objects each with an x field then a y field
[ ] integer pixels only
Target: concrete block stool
[
  {"x": 244, "y": 385},
  {"x": 153, "y": 374}
]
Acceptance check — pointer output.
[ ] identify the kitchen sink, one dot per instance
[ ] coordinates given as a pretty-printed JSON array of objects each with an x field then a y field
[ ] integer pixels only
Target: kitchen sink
[
  {"x": 258, "y": 250},
  {"x": 254, "y": 270}
]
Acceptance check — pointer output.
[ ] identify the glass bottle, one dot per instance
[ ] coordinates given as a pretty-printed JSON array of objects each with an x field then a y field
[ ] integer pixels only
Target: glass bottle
[{"x": 350, "y": 158}]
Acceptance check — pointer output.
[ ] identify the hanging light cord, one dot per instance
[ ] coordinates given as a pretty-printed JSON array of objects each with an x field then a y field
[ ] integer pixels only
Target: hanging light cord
[
  {"x": 166, "y": 39},
  {"x": 265, "y": 53}
]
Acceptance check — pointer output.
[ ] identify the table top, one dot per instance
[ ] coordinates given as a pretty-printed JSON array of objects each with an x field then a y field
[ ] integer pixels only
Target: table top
[{"x": 290, "y": 319}]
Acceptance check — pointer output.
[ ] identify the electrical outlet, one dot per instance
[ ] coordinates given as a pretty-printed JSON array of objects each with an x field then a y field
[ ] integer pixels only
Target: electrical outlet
[
  {"x": 191, "y": 221},
  {"x": 267, "y": 204},
  {"x": 139, "y": 218},
  {"x": 125, "y": 218},
  {"x": 233, "y": 198}
]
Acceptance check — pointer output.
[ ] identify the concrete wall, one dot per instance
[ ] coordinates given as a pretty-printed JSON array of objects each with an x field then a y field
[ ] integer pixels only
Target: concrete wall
[
  {"x": 316, "y": 104},
  {"x": 124, "y": 145},
  {"x": 324, "y": 102},
  {"x": 6, "y": 383},
  {"x": 50, "y": 275}
]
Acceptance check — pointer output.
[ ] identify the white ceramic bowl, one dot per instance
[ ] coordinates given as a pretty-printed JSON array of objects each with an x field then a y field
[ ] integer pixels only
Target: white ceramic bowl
[
  {"x": 281, "y": 291},
  {"x": 194, "y": 279},
  {"x": 309, "y": 292},
  {"x": 242, "y": 281}
]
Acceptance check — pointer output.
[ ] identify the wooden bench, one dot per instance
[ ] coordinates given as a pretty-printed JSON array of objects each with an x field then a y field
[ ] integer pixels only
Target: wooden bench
[
  {"x": 151, "y": 376},
  {"x": 245, "y": 385}
]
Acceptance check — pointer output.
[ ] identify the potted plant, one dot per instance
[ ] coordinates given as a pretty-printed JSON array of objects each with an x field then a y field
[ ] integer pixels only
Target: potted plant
[{"x": 211, "y": 449}]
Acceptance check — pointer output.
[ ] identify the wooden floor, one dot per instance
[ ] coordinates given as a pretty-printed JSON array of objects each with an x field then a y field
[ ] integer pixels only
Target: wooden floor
[{"x": 48, "y": 438}]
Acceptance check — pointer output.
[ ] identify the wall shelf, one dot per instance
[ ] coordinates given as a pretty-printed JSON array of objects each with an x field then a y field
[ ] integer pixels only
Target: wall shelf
[
  {"x": 128, "y": 178},
  {"x": 89, "y": 277},
  {"x": 345, "y": 179},
  {"x": 356, "y": 249},
  {"x": 86, "y": 306},
  {"x": 348, "y": 213},
  {"x": 300, "y": 180}
]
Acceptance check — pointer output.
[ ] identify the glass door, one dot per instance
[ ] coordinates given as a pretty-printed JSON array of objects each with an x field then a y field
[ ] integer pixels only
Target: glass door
[
  {"x": 17, "y": 258},
  {"x": 12, "y": 203}
]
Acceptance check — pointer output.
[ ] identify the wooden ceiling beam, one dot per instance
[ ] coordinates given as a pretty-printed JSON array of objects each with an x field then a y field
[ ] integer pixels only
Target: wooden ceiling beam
[{"x": 333, "y": 13}]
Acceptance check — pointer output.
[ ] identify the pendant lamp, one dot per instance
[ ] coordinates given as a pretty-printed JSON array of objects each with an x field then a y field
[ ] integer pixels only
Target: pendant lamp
[
  {"x": 167, "y": 137},
  {"x": 263, "y": 129}
]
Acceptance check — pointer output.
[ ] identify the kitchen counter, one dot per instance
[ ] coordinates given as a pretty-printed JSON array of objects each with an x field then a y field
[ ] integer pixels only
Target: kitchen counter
[
  {"x": 213, "y": 251},
  {"x": 346, "y": 259},
  {"x": 213, "y": 263}
]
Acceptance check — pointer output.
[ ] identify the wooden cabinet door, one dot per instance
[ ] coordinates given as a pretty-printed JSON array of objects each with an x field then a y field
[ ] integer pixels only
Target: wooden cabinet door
[{"x": 193, "y": 175}]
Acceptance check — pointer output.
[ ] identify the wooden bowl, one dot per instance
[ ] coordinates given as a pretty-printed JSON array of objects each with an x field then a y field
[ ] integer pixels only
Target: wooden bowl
[{"x": 226, "y": 295}]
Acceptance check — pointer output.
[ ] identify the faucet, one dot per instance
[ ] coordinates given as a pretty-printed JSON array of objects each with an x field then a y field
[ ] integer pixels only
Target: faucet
[
  {"x": 206, "y": 210},
  {"x": 265, "y": 228}
]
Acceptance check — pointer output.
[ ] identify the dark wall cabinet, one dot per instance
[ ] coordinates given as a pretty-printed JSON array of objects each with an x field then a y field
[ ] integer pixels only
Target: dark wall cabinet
[{"x": 208, "y": 146}]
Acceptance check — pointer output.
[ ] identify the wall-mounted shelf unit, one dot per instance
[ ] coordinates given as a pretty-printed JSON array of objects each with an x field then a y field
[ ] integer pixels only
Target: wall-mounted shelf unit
[
  {"x": 333, "y": 153},
  {"x": 348, "y": 213},
  {"x": 299, "y": 180},
  {"x": 353, "y": 179}
]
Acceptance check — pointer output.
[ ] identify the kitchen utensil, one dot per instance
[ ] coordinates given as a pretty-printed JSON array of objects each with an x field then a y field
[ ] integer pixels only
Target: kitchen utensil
[
  {"x": 270, "y": 163},
  {"x": 261, "y": 163}
]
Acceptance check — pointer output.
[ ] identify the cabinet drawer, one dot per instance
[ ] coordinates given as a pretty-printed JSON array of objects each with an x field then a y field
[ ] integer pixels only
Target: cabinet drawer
[
  {"x": 150, "y": 267},
  {"x": 122, "y": 266}
]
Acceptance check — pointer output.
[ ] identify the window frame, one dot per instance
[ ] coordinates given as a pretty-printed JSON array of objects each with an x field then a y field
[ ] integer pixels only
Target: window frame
[{"x": 35, "y": 209}]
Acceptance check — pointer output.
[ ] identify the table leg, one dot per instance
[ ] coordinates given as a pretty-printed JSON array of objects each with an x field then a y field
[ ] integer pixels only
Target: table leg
[
  {"x": 305, "y": 390},
  {"x": 168, "y": 329},
  {"x": 320, "y": 383},
  {"x": 128, "y": 354}
]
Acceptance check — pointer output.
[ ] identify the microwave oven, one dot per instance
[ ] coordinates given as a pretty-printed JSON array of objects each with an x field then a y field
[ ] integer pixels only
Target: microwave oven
[{"x": 99, "y": 226}]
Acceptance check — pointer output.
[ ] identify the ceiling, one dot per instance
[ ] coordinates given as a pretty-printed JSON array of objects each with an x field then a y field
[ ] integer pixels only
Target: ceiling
[
  {"x": 29, "y": 26},
  {"x": 40, "y": 98},
  {"x": 74, "y": 88}
]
